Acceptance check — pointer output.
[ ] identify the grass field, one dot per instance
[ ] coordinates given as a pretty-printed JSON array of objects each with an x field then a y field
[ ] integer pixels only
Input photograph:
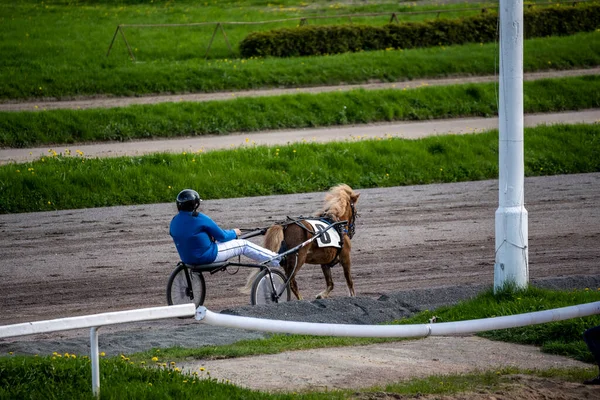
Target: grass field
[
  {"x": 155, "y": 374},
  {"x": 57, "y": 49}
]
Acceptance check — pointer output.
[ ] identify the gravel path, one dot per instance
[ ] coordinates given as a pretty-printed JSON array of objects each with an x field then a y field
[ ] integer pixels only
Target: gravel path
[
  {"x": 407, "y": 130},
  {"x": 109, "y": 102}
]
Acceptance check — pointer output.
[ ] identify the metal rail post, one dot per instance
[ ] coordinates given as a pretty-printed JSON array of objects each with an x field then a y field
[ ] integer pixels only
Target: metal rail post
[{"x": 95, "y": 361}]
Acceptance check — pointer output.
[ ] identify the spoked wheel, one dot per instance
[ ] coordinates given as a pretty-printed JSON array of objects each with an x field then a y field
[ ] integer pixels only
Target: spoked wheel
[
  {"x": 265, "y": 291},
  {"x": 186, "y": 286}
]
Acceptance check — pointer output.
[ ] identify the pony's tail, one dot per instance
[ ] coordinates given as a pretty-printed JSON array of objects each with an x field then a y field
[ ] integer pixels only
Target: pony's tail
[{"x": 273, "y": 239}]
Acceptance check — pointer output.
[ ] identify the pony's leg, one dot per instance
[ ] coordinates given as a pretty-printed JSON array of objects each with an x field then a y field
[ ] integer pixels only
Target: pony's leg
[
  {"x": 346, "y": 265},
  {"x": 328, "y": 280},
  {"x": 289, "y": 268},
  {"x": 294, "y": 288}
]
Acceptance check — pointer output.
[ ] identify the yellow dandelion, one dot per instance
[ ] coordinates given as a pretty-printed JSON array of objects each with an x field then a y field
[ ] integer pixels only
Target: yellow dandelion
[
  {"x": 102, "y": 354},
  {"x": 172, "y": 362},
  {"x": 155, "y": 359},
  {"x": 203, "y": 369}
]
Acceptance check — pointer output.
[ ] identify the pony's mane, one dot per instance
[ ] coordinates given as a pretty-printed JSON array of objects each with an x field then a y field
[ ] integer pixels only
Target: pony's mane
[{"x": 336, "y": 201}]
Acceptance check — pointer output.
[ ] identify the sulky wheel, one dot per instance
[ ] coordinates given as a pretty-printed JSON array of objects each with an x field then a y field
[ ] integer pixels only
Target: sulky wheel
[
  {"x": 262, "y": 290},
  {"x": 185, "y": 286}
]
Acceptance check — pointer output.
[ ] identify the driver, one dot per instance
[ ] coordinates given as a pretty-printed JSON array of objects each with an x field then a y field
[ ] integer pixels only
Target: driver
[{"x": 199, "y": 240}]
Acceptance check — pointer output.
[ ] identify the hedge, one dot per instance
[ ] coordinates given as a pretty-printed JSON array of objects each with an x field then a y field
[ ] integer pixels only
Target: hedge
[{"x": 332, "y": 39}]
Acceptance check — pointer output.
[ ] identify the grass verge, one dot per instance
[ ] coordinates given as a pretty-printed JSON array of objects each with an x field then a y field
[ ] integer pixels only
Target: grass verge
[
  {"x": 73, "y": 181},
  {"x": 155, "y": 374},
  {"x": 23, "y": 129}
]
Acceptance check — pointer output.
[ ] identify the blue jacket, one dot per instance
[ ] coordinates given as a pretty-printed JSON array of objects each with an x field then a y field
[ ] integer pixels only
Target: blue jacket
[{"x": 195, "y": 236}]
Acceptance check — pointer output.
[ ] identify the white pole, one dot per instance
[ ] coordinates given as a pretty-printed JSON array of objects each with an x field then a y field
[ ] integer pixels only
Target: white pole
[
  {"x": 94, "y": 357},
  {"x": 422, "y": 330},
  {"x": 511, "y": 264}
]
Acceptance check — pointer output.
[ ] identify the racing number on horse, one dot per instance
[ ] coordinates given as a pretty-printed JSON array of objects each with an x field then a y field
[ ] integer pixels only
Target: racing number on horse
[{"x": 325, "y": 238}]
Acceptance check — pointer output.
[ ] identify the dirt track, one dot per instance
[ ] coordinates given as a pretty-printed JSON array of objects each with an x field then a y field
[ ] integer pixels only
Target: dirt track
[{"x": 67, "y": 263}]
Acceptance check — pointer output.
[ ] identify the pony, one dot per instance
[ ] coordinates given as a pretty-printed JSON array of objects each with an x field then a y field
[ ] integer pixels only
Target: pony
[{"x": 340, "y": 205}]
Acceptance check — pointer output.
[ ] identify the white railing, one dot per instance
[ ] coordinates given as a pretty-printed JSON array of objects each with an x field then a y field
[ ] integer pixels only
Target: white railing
[
  {"x": 268, "y": 325},
  {"x": 94, "y": 322},
  {"x": 420, "y": 330}
]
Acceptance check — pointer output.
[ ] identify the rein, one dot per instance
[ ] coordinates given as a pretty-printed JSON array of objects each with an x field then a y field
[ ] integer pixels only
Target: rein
[{"x": 352, "y": 223}]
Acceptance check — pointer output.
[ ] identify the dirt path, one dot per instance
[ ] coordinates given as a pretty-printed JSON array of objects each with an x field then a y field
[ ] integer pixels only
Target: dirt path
[
  {"x": 375, "y": 365},
  {"x": 407, "y": 130},
  {"x": 108, "y": 102}
]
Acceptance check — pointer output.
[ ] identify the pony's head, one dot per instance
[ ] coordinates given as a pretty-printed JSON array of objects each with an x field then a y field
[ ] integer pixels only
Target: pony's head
[{"x": 340, "y": 204}]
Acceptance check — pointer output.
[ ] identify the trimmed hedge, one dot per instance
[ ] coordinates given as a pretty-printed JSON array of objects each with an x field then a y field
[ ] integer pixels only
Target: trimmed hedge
[{"x": 332, "y": 39}]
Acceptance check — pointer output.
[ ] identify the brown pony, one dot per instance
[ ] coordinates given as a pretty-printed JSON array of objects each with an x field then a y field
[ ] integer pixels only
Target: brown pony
[{"x": 339, "y": 205}]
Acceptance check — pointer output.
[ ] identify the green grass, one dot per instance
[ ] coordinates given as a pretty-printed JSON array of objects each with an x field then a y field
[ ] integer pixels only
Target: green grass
[
  {"x": 70, "y": 378},
  {"x": 57, "y": 49},
  {"x": 73, "y": 181},
  {"x": 23, "y": 129},
  {"x": 155, "y": 374}
]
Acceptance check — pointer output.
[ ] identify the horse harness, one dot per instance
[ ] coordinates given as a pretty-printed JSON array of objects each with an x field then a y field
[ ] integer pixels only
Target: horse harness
[{"x": 342, "y": 229}]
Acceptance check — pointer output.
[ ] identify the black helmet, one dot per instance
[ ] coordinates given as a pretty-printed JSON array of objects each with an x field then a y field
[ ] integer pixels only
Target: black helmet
[{"x": 188, "y": 200}]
